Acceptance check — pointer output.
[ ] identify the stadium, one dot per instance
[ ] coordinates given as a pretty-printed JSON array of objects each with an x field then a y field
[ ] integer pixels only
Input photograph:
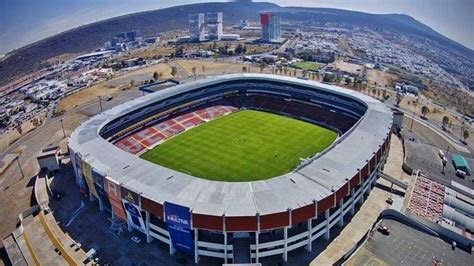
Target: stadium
[{"x": 236, "y": 167}]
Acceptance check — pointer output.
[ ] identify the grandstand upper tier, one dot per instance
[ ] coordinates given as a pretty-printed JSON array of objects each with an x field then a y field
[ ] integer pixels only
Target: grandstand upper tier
[{"x": 363, "y": 123}]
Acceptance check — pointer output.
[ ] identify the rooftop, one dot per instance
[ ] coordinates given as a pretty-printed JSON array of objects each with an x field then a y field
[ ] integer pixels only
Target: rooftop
[{"x": 313, "y": 182}]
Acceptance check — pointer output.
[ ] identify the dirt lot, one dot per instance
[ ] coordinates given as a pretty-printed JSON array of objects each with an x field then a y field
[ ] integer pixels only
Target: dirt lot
[
  {"x": 150, "y": 52},
  {"x": 345, "y": 46},
  {"x": 112, "y": 86},
  {"x": 212, "y": 67},
  {"x": 381, "y": 78},
  {"x": 349, "y": 67},
  {"x": 216, "y": 67},
  {"x": 434, "y": 114}
]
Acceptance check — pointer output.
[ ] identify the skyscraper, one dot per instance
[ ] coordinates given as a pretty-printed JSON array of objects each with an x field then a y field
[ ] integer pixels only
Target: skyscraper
[
  {"x": 214, "y": 25},
  {"x": 270, "y": 27},
  {"x": 197, "y": 27}
]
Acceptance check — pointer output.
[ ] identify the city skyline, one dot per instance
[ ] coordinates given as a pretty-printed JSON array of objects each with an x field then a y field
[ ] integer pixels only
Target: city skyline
[{"x": 450, "y": 19}]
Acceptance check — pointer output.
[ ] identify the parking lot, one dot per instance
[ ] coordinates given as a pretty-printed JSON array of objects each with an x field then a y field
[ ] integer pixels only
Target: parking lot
[
  {"x": 422, "y": 151},
  {"x": 407, "y": 246}
]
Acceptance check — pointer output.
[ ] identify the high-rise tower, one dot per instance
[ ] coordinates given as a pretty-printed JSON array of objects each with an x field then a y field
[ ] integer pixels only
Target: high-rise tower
[{"x": 270, "y": 27}]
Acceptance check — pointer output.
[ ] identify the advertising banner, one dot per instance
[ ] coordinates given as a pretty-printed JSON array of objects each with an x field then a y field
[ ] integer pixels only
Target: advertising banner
[
  {"x": 178, "y": 220},
  {"x": 134, "y": 216},
  {"x": 130, "y": 196},
  {"x": 87, "y": 172},
  {"x": 79, "y": 170},
  {"x": 100, "y": 187},
  {"x": 113, "y": 192}
]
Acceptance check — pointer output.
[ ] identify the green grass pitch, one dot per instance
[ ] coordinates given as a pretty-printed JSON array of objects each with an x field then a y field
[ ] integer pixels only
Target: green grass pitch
[{"x": 244, "y": 146}]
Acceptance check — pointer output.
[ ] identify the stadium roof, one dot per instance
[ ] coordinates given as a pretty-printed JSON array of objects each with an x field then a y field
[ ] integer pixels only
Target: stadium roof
[{"x": 314, "y": 182}]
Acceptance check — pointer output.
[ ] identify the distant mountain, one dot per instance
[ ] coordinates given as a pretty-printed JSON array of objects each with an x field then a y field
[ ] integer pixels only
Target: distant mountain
[
  {"x": 395, "y": 22},
  {"x": 92, "y": 36}
]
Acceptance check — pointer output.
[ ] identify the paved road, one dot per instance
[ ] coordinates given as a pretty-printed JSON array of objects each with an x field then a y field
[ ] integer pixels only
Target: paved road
[
  {"x": 15, "y": 195},
  {"x": 181, "y": 71},
  {"x": 456, "y": 143},
  {"x": 409, "y": 246}
]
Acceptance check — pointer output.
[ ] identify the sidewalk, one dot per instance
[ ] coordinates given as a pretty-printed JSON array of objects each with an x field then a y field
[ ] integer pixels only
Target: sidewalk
[
  {"x": 357, "y": 227},
  {"x": 370, "y": 209}
]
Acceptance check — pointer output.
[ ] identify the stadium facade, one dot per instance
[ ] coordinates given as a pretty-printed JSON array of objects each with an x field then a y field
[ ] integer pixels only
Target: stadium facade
[{"x": 219, "y": 219}]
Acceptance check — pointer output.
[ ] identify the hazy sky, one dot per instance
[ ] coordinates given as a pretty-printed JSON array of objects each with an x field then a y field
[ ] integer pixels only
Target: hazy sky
[{"x": 25, "y": 21}]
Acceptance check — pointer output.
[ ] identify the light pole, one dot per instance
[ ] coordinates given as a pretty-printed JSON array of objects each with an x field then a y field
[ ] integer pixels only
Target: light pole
[
  {"x": 62, "y": 126},
  {"x": 445, "y": 161},
  {"x": 100, "y": 103},
  {"x": 414, "y": 113}
]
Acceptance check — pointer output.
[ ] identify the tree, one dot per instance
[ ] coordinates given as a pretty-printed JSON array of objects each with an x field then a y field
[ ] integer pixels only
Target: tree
[
  {"x": 132, "y": 83},
  {"x": 239, "y": 49},
  {"x": 35, "y": 122},
  {"x": 174, "y": 71},
  {"x": 280, "y": 68},
  {"x": 262, "y": 67},
  {"x": 329, "y": 77},
  {"x": 156, "y": 76},
  {"x": 465, "y": 134},
  {"x": 424, "y": 111},
  {"x": 194, "y": 72},
  {"x": 203, "y": 69},
  {"x": 244, "y": 69},
  {"x": 445, "y": 121},
  {"x": 399, "y": 98},
  {"x": 348, "y": 80},
  {"x": 19, "y": 129}
]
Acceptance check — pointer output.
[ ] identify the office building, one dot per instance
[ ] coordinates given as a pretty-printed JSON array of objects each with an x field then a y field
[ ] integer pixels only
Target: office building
[
  {"x": 197, "y": 27},
  {"x": 214, "y": 25},
  {"x": 271, "y": 31}
]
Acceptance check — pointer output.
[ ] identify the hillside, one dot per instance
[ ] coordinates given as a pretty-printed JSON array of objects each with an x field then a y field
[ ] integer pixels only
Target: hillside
[
  {"x": 92, "y": 36},
  {"x": 395, "y": 22}
]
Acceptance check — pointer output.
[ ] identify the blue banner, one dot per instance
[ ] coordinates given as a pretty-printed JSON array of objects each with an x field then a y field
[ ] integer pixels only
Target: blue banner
[
  {"x": 134, "y": 216},
  {"x": 178, "y": 220},
  {"x": 100, "y": 187}
]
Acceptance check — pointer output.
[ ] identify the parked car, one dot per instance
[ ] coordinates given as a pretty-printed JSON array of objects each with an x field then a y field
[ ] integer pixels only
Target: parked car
[
  {"x": 384, "y": 230},
  {"x": 461, "y": 173}
]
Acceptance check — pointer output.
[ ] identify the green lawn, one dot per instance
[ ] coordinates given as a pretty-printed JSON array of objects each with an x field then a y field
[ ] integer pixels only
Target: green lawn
[
  {"x": 244, "y": 146},
  {"x": 306, "y": 65}
]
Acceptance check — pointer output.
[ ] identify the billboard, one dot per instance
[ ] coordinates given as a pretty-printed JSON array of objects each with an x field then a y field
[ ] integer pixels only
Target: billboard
[
  {"x": 178, "y": 220},
  {"x": 78, "y": 161},
  {"x": 113, "y": 192},
  {"x": 134, "y": 216},
  {"x": 131, "y": 202},
  {"x": 129, "y": 195},
  {"x": 100, "y": 188},
  {"x": 87, "y": 173}
]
